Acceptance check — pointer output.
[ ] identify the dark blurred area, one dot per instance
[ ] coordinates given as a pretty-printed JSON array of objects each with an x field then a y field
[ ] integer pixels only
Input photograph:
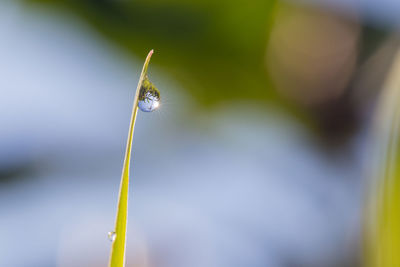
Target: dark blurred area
[{"x": 256, "y": 157}]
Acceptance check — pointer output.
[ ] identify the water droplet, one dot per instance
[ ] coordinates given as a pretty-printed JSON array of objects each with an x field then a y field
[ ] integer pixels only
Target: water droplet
[
  {"x": 111, "y": 236},
  {"x": 149, "y": 96}
]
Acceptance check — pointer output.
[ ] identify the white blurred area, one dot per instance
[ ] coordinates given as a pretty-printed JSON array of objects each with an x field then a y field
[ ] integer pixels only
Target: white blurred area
[{"x": 240, "y": 186}]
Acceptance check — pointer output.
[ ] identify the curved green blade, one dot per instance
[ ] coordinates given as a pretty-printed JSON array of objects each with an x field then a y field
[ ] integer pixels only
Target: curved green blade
[
  {"x": 382, "y": 235},
  {"x": 117, "y": 255}
]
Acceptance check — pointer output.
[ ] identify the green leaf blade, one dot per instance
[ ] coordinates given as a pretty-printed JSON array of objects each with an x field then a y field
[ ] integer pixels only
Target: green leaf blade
[{"x": 117, "y": 255}]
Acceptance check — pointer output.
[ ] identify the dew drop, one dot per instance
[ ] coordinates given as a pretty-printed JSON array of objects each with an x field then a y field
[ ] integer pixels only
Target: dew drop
[
  {"x": 149, "y": 96},
  {"x": 111, "y": 236}
]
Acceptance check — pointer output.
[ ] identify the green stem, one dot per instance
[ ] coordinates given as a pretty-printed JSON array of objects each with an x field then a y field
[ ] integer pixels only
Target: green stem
[{"x": 117, "y": 256}]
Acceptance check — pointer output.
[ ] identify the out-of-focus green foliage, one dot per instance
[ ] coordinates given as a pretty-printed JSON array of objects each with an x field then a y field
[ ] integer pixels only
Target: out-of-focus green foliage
[
  {"x": 383, "y": 220},
  {"x": 212, "y": 47},
  {"x": 217, "y": 50}
]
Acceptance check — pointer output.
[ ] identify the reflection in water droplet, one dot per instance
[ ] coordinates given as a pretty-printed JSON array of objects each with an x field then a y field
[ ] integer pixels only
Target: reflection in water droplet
[
  {"x": 149, "y": 96},
  {"x": 111, "y": 236}
]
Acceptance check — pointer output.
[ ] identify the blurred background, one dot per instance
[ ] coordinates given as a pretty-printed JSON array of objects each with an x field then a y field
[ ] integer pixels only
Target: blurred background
[{"x": 259, "y": 155}]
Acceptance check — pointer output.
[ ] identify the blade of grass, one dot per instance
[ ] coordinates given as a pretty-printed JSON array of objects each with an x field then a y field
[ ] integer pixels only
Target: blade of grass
[
  {"x": 382, "y": 225},
  {"x": 117, "y": 255}
]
